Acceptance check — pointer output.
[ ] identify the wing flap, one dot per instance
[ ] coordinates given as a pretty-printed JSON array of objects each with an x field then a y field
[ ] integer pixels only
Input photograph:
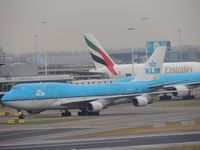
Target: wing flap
[
  {"x": 189, "y": 85},
  {"x": 165, "y": 85}
]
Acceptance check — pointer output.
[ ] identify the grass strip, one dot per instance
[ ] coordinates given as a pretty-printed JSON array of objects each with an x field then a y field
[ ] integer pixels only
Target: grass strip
[
  {"x": 146, "y": 129},
  {"x": 180, "y": 103},
  {"x": 45, "y": 121},
  {"x": 188, "y": 147}
]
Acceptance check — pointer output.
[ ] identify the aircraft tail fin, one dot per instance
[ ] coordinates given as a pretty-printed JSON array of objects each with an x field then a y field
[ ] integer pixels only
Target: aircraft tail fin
[
  {"x": 153, "y": 66},
  {"x": 99, "y": 55}
]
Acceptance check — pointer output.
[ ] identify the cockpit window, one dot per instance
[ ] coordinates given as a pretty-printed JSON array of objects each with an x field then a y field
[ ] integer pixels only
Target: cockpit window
[{"x": 15, "y": 88}]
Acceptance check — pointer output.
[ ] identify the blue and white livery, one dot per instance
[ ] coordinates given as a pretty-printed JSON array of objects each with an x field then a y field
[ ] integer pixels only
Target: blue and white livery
[{"x": 91, "y": 99}]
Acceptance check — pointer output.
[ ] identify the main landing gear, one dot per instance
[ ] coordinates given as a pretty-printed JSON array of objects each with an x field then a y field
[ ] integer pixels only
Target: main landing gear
[
  {"x": 66, "y": 113},
  {"x": 165, "y": 97},
  {"x": 84, "y": 112},
  {"x": 189, "y": 97}
]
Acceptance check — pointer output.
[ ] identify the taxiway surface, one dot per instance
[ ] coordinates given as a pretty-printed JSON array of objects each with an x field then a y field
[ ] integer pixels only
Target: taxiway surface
[
  {"x": 112, "y": 143},
  {"x": 15, "y": 136}
]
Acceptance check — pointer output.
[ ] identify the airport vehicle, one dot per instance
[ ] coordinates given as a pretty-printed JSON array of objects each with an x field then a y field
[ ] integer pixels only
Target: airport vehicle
[
  {"x": 91, "y": 99},
  {"x": 103, "y": 62}
]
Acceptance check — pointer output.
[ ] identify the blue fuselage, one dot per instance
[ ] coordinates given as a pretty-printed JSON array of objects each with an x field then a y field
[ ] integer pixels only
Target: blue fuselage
[{"x": 42, "y": 91}]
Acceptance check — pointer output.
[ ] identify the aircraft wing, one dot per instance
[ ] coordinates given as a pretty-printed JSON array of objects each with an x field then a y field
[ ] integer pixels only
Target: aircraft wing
[
  {"x": 160, "y": 86},
  {"x": 110, "y": 98},
  {"x": 192, "y": 86},
  {"x": 84, "y": 100},
  {"x": 189, "y": 85},
  {"x": 90, "y": 99}
]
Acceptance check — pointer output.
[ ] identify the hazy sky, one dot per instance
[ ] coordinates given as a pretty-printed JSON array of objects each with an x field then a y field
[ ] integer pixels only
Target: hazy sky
[{"x": 108, "y": 20}]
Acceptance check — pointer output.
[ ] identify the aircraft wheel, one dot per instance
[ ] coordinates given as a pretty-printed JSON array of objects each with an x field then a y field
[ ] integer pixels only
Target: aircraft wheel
[
  {"x": 66, "y": 114},
  {"x": 93, "y": 113},
  {"x": 189, "y": 97},
  {"x": 165, "y": 97},
  {"x": 82, "y": 113},
  {"x": 21, "y": 116},
  {"x": 86, "y": 113},
  {"x": 169, "y": 97}
]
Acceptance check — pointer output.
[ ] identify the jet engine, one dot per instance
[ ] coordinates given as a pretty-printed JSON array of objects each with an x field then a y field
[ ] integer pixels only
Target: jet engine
[
  {"x": 140, "y": 101},
  {"x": 94, "y": 106},
  {"x": 183, "y": 91}
]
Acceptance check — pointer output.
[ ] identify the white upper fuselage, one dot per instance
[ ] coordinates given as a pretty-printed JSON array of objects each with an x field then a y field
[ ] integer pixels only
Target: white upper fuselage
[{"x": 168, "y": 68}]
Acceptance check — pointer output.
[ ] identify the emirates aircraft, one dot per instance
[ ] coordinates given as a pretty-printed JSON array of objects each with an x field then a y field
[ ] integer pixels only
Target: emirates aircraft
[{"x": 103, "y": 62}]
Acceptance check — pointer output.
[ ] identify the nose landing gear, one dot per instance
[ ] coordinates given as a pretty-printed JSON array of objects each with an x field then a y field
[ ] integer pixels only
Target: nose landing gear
[{"x": 21, "y": 115}]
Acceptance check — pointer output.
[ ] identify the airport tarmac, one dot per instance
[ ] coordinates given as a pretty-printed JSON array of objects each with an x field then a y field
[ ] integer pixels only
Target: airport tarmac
[
  {"x": 119, "y": 143},
  {"x": 113, "y": 118}
]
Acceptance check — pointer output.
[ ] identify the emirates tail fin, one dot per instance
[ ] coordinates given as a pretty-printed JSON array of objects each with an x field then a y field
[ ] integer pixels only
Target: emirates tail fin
[{"x": 99, "y": 55}]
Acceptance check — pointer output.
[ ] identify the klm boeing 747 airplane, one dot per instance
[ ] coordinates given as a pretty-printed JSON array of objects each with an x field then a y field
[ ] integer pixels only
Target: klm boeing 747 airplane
[{"x": 91, "y": 99}]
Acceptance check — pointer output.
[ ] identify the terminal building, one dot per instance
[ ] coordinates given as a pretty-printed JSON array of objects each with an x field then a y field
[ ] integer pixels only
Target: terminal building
[
  {"x": 19, "y": 69},
  {"x": 2, "y": 55},
  {"x": 81, "y": 62}
]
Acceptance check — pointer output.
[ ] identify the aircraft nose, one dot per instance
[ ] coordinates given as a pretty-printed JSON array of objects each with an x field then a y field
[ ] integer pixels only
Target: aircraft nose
[
  {"x": 1, "y": 99},
  {"x": 5, "y": 98}
]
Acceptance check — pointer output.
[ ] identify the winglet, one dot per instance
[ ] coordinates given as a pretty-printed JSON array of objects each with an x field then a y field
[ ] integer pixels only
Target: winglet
[
  {"x": 152, "y": 69},
  {"x": 99, "y": 55}
]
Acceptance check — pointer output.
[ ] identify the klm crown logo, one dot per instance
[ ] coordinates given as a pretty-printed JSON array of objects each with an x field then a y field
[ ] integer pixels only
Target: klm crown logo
[
  {"x": 39, "y": 93},
  {"x": 152, "y": 68},
  {"x": 152, "y": 64}
]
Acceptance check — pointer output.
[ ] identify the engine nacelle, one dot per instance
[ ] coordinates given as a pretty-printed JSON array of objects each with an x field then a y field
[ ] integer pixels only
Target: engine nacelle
[
  {"x": 183, "y": 91},
  {"x": 140, "y": 101},
  {"x": 94, "y": 106}
]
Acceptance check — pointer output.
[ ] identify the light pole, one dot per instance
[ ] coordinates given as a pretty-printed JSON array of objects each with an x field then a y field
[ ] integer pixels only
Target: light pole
[
  {"x": 132, "y": 52},
  {"x": 145, "y": 19},
  {"x": 44, "y": 23},
  {"x": 35, "y": 46},
  {"x": 180, "y": 43}
]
